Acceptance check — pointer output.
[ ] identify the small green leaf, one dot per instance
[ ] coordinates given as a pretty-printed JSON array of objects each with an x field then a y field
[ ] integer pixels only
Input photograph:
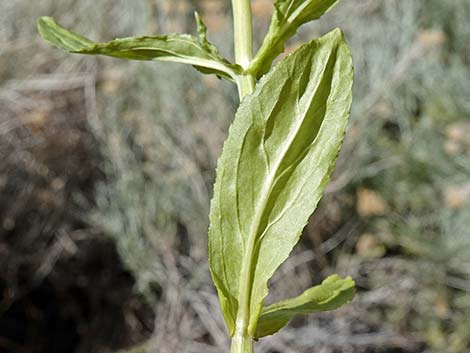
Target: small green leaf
[
  {"x": 274, "y": 167},
  {"x": 181, "y": 48},
  {"x": 331, "y": 294},
  {"x": 202, "y": 32},
  {"x": 288, "y": 16}
]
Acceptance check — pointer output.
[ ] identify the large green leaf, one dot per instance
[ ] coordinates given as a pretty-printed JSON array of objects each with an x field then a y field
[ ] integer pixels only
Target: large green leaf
[
  {"x": 275, "y": 165},
  {"x": 288, "y": 16},
  {"x": 181, "y": 48},
  {"x": 332, "y": 293}
]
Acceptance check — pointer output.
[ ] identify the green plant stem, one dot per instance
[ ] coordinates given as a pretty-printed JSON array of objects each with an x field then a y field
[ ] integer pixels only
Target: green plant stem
[
  {"x": 241, "y": 344},
  {"x": 242, "y": 32},
  {"x": 243, "y": 42},
  {"x": 245, "y": 84}
]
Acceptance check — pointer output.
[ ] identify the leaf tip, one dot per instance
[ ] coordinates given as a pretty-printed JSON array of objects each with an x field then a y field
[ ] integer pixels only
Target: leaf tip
[
  {"x": 43, "y": 22},
  {"x": 62, "y": 38},
  {"x": 201, "y": 27}
]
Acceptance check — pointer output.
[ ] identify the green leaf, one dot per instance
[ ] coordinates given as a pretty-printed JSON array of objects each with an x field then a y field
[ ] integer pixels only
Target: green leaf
[
  {"x": 181, "y": 48},
  {"x": 288, "y": 16},
  {"x": 331, "y": 294},
  {"x": 275, "y": 165}
]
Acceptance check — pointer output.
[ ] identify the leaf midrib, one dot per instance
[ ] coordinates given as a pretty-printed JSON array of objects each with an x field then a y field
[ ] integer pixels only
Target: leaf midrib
[
  {"x": 246, "y": 284},
  {"x": 173, "y": 56}
]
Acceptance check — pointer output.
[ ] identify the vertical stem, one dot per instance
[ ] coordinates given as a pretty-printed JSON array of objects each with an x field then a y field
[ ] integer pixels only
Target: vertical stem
[
  {"x": 243, "y": 42},
  {"x": 242, "y": 32},
  {"x": 245, "y": 84},
  {"x": 241, "y": 344}
]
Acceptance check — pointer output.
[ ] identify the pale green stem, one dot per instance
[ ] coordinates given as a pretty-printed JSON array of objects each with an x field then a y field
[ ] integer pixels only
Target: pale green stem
[
  {"x": 241, "y": 344},
  {"x": 243, "y": 43},
  {"x": 242, "y": 32},
  {"x": 245, "y": 84}
]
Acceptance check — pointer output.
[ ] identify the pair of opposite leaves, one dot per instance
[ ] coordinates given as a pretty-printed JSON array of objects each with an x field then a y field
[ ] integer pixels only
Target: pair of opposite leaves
[{"x": 276, "y": 161}]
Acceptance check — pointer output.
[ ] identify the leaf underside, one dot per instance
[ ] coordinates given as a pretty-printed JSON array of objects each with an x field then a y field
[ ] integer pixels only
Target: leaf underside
[
  {"x": 275, "y": 165},
  {"x": 331, "y": 294},
  {"x": 181, "y": 48}
]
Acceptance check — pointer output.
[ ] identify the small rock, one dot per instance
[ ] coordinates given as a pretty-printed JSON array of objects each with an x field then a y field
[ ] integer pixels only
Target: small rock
[
  {"x": 368, "y": 245},
  {"x": 457, "y": 196},
  {"x": 370, "y": 203}
]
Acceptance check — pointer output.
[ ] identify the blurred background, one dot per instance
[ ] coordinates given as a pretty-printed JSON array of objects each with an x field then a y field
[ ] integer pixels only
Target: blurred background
[{"x": 106, "y": 172}]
